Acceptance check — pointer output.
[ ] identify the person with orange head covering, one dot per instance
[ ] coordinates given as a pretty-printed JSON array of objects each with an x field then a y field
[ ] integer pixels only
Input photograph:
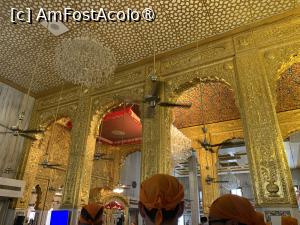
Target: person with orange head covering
[
  {"x": 232, "y": 209},
  {"x": 161, "y": 200},
  {"x": 288, "y": 220},
  {"x": 260, "y": 217},
  {"x": 91, "y": 214}
]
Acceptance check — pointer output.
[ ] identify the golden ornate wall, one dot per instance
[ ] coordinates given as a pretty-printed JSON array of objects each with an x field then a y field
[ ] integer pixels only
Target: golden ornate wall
[{"x": 250, "y": 61}]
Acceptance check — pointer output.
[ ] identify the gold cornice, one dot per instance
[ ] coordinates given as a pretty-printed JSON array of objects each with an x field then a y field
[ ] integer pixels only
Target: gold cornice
[
  {"x": 169, "y": 53},
  {"x": 230, "y": 33}
]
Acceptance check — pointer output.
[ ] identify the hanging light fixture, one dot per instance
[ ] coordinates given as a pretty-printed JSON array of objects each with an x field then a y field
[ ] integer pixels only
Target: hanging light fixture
[
  {"x": 118, "y": 189},
  {"x": 181, "y": 146},
  {"x": 84, "y": 61}
]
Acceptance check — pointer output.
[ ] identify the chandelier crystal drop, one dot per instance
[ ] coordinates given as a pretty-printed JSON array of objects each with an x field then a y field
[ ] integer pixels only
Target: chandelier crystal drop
[
  {"x": 86, "y": 62},
  {"x": 181, "y": 146}
]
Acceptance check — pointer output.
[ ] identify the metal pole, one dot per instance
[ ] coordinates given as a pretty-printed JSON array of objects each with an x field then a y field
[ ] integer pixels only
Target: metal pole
[{"x": 194, "y": 190}]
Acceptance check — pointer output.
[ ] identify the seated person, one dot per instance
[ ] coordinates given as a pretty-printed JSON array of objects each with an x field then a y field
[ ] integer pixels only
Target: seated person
[
  {"x": 161, "y": 200},
  {"x": 233, "y": 210},
  {"x": 91, "y": 214},
  {"x": 288, "y": 220}
]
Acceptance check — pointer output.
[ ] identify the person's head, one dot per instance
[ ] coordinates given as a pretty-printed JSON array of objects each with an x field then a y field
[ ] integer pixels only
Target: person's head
[
  {"x": 203, "y": 219},
  {"x": 233, "y": 210},
  {"x": 91, "y": 214},
  {"x": 161, "y": 200},
  {"x": 260, "y": 218},
  {"x": 288, "y": 220}
]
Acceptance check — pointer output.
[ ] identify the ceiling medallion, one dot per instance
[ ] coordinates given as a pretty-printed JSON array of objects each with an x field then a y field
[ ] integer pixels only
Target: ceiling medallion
[{"x": 85, "y": 62}]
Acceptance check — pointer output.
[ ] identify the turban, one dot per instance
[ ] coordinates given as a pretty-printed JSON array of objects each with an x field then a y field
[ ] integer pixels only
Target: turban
[
  {"x": 91, "y": 214},
  {"x": 159, "y": 192},
  {"x": 288, "y": 220},
  {"x": 233, "y": 207},
  {"x": 260, "y": 218}
]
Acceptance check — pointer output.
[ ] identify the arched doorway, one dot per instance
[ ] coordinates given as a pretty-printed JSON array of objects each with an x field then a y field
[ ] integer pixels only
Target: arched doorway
[
  {"x": 117, "y": 151},
  {"x": 52, "y": 165},
  {"x": 212, "y": 119},
  {"x": 292, "y": 148},
  {"x": 288, "y": 105}
]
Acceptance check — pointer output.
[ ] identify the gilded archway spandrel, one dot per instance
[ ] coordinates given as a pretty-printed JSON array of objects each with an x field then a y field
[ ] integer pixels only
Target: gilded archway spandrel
[
  {"x": 222, "y": 72},
  {"x": 198, "y": 56},
  {"x": 66, "y": 97},
  {"x": 128, "y": 77},
  {"x": 279, "y": 59},
  {"x": 44, "y": 118}
]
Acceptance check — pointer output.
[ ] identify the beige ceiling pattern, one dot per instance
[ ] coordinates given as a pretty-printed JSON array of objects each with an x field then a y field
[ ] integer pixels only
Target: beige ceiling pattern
[{"x": 27, "y": 49}]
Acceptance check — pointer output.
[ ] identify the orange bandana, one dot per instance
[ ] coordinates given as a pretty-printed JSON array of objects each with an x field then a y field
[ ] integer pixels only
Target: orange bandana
[
  {"x": 236, "y": 208},
  {"x": 288, "y": 220},
  {"x": 91, "y": 214},
  {"x": 159, "y": 192}
]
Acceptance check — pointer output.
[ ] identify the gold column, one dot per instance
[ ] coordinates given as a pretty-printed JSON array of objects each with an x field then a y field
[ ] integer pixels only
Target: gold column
[
  {"x": 73, "y": 196},
  {"x": 156, "y": 149},
  {"x": 208, "y": 167},
  {"x": 270, "y": 172}
]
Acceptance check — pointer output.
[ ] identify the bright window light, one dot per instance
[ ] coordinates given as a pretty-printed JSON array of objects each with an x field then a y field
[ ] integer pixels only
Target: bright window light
[{"x": 237, "y": 191}]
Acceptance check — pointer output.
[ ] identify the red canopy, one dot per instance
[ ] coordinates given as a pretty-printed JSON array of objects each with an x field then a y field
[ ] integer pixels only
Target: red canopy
[{"x": 114, "y": 205}]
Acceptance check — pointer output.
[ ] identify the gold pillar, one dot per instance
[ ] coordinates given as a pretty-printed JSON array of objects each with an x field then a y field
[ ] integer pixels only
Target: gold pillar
[
  {"x": 156, "y": 149},
  {"x": 270, "y": 172},
  {"x": 208, "y": 167},
  {"x": 73, "y": 196}
]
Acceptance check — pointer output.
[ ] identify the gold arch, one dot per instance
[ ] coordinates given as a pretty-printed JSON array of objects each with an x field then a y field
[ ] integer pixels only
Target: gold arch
[
  {"x": 294, "y": 58},
  {"x": 34, "y": 155}
]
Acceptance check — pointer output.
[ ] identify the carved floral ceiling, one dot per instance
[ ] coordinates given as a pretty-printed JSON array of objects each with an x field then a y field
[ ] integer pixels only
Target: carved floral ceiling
[
  {"x": 288, "y": 89},
  {"x": 218, "y": 100},
  {"x": 211, "y": 103},
  {"x": 27, "y": 49}
]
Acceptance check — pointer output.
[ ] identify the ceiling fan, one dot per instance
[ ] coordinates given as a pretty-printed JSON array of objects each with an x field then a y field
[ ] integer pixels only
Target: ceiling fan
[
  {"x": 17, "y": 131},
  {"x": 209, "y": 180},
  {"x": 153, "y": 99},
  {"x": 47, "y": 165},
  {"x": 227, "y": 144},
  {"x": 102, "y": 156}
]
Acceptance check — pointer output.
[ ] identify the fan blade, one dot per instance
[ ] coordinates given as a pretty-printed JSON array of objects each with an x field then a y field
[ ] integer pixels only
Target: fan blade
[
  {"x": 221, "y": 181},
  {"x": 106, "y": 159},
  {"x": 53, "y": 165},
  {"x": 2, "y": 125},
  {"x": 98, "y": 154},
  {"x": 229, "y": 144},
  {"x": 27, "y": 136},
  {"x": 32, "y": 131},
  {"x": 6, "y": 132},
  {"x": 171, "y": 104}
]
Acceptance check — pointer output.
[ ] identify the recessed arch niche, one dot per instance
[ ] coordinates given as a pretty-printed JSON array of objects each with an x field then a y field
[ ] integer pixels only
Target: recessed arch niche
[{"x": 213, "y": 105}]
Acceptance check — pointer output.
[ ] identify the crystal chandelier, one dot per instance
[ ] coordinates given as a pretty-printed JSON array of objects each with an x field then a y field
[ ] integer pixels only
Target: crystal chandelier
[
  {"x": 85, "y": 62},
  {"x": 181, "y": 146}
]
